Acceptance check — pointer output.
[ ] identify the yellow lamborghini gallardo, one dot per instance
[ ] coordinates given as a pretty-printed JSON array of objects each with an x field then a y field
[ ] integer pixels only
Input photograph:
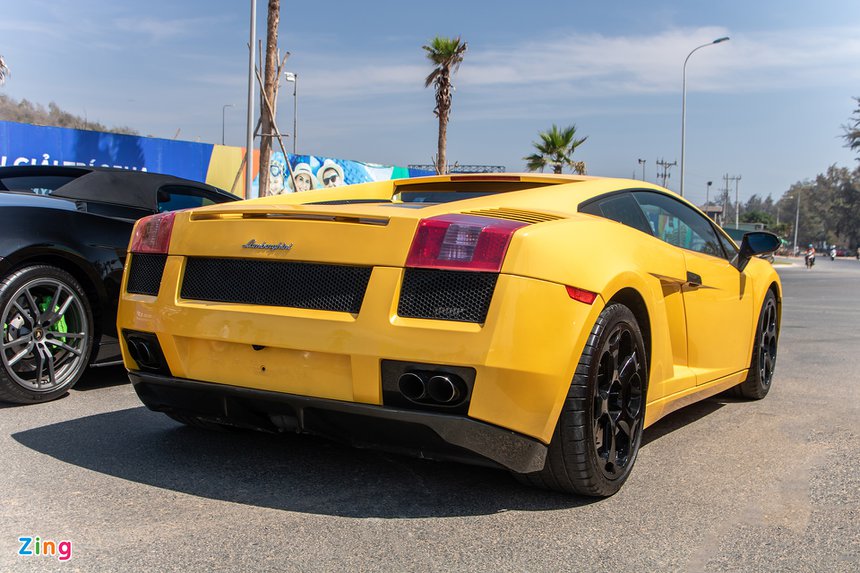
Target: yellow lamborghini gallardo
[{"x": 536, "y": 323}]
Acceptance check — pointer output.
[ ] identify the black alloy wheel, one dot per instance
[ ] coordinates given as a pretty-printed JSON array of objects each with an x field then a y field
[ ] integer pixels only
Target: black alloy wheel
[
  {"x": 618, "y": 399},
  {"x": 760, "y": 376},
  {"x": 599, "y": 430},
  {"x": 46, "y": 335}
]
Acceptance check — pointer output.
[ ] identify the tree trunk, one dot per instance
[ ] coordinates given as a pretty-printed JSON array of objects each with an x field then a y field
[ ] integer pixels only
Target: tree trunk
[
  {"x": 441, "y": 151},
  {"x": 270, "y": 88},
  {"x": 443, "y": 108}
]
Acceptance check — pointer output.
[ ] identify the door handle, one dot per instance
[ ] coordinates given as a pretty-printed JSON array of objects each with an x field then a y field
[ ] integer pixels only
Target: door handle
[{"x": 693, "y": 280}]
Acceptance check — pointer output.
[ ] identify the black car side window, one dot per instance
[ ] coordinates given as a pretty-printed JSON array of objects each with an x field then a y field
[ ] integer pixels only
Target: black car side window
[
  {"x": 728, "y": 246},
  {"x": 176, "y": 197},
  {"x": 678, "y": 224},
  {"x": 620, "y": 207}
]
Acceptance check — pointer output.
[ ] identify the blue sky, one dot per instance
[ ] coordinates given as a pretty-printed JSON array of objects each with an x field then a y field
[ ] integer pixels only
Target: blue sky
[{"x": 768, "y": 105}]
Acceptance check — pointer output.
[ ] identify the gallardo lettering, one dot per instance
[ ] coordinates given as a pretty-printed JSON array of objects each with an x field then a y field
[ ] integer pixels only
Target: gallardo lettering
[{"x": 36, "y": 547}]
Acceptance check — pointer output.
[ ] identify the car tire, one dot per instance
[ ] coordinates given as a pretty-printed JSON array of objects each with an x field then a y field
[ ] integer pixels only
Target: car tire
[
  {"x": 599, "y": 430},
  {"x": 47, "y": 334},
  {"x": 760, "y": 375}
]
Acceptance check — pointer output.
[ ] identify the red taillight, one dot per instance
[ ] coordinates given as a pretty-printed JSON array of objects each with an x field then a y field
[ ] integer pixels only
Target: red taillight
[
  {"x": 461, "y": 242},
  {"x": 152, "y": 234},
  {"x": 581, "y": 295}
]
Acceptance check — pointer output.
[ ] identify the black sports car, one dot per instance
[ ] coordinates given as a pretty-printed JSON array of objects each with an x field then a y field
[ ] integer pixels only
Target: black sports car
[{"x": 64, "y": 232}]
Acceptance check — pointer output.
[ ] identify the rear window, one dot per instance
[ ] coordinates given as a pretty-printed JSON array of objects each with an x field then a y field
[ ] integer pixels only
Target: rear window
[
  {"x": 448, "y": 191},
  {"x": 176, "y": 197},
  {"x": 438, "y": 196},
  {"x": 38, "y": 184}
]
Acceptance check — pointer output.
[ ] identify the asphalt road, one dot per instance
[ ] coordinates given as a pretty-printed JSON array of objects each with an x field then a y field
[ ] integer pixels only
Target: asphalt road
[{"x": 723, "y": 485}]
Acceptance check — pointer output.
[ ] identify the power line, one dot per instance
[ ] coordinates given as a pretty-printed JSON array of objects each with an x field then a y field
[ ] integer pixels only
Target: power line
[
  {"x": 726, "y": 179},
  {"x": 664, "y": 175}
]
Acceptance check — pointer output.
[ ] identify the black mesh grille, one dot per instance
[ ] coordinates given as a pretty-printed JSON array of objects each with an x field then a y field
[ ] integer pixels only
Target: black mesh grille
[
  {"x": 275, "y": 283},
  {"x": 144, "y": 276},
  {"x": 463, "y": 296}
]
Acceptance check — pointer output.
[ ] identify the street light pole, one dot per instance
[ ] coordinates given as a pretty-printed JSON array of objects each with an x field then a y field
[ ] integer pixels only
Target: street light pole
[
  {"x": 223, "y": 110},
  {"x": 708, "y": 193},
  {"x": 293, "y": 77},
  {"x": 797, "y": 220},
  {"x": 642, "y": 163},
  {"x": 684, "y": 104},
  {"x": 249, "y": 132}
]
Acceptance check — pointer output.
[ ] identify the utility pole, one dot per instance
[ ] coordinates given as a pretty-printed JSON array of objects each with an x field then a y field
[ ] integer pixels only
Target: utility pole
[
  {"x": 734, "y": 178},
  {"x": 737, "y": 201},
  {"x": 665, "y": 166},
  {"x": 797, "y": 220},
  {"x": 725, "y": 197},
  {"x": 642, "y": 162}
]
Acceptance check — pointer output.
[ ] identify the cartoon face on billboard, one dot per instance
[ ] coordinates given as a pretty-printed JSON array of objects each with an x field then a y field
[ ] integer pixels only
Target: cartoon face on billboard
[
  {"x": 331, "y": 174},
  {"x": 277, "y": 167},
  {"x": 305, "y": 180}
]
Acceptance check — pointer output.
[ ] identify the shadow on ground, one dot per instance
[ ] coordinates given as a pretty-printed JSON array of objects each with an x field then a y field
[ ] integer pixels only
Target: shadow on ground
[
  {"x": 294, "y": 473},
  {"x": 102, "y": 377},
  {"x": 93, "y": 379},
  {"x": 685, "y": 416},
  {"x": 298, "y": 473}
]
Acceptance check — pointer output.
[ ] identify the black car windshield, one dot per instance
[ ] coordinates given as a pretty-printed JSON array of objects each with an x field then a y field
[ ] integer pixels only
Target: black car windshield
[{"x": 39, "y": 184}]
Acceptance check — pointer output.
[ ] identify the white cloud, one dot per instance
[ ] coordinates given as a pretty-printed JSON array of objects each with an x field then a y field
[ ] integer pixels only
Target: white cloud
[
  {"x": 160, "y": 29},
  {"x": 598, "y": 65}
]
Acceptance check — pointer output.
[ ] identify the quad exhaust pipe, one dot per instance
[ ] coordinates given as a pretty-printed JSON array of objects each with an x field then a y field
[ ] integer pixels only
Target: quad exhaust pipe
[
  {"x": 141, "y": 353},
  {"x": 144, "y": 349},
  {"x": 442, "y": 389},
  {"x": 412, "y": 386},
  {"x": 432, "y": 388}
]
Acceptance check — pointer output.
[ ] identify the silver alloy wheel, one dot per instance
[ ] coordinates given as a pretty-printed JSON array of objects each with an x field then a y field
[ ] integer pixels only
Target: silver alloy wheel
[{"x": 45, "y": 335}]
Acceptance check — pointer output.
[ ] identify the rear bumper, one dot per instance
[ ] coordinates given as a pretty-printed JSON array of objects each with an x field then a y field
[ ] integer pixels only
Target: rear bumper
[
  {"x": 424, "y": 434},
  {"x": 524, "y": 354}
]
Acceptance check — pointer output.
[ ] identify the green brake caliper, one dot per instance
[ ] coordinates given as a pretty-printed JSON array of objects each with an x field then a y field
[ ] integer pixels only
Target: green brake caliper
[{"x": 60, "y": 325}]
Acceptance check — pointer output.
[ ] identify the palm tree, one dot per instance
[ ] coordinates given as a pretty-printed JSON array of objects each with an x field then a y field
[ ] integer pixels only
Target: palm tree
[
  {"x": 556, "y": 149},
  {"x": 446, "y": 55},
  {"x": 852, "y": 130},
  {"x": 4, "y": 71}
]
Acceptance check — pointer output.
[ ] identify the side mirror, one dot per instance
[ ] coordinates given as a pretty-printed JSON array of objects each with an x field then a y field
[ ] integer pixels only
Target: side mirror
[{"x": 755, "y": 243}]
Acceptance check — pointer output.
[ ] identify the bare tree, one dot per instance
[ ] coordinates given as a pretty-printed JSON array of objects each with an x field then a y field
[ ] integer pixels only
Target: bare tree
[
  {"x": 4, "y": 70},
  {"x": 851, "y": 129},
  {"x": 270, "y": 91}
]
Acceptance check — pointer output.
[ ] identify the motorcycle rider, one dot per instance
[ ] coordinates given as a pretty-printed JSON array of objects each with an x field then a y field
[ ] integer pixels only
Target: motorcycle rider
[{"x": 809, "y": 256}]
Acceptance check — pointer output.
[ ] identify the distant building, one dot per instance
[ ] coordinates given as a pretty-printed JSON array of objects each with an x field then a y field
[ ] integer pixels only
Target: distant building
[{"x": 715, "y": 212}]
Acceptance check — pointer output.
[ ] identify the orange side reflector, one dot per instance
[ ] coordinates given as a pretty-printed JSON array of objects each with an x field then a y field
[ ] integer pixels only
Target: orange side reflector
[{"x": 581, "y": 295}]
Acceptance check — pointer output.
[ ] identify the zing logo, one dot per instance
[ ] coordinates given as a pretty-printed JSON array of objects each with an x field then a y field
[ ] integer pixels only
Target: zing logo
[
  {"x": 253, "y": 244},
  {"x": 32, "y": 546}
]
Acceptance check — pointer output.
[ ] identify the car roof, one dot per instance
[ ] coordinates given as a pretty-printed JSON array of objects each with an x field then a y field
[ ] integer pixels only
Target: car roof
[{"x": 108, "y": 185}]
